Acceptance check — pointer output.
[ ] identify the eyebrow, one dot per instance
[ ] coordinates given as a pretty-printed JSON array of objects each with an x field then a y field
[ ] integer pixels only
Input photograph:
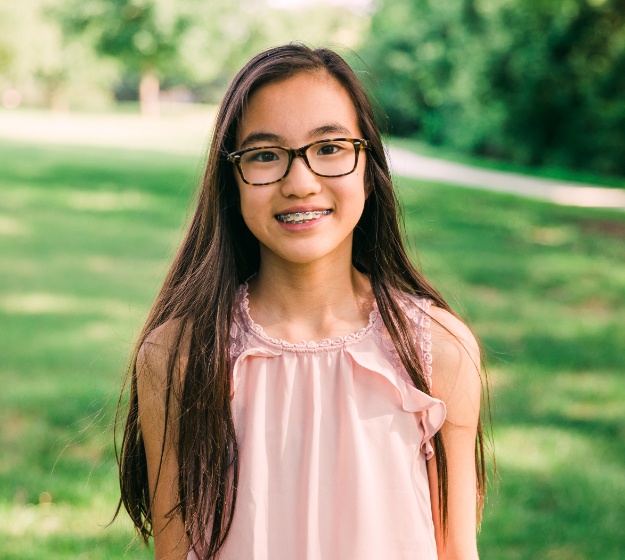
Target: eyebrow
[
  {"x": 262, "y": 136},
  {"x": 328, "y": 128}
]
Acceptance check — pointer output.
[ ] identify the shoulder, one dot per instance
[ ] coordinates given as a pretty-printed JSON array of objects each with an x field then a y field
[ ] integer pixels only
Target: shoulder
[
  {"x": 167, "y": 342},
  {"x": 452, "y": 339},
  {"x": 456, "y": 377},
  {"x": 166, "y": 339},
  {"x": 446, "y": 329},
  {"x": 159, "y": 375}
]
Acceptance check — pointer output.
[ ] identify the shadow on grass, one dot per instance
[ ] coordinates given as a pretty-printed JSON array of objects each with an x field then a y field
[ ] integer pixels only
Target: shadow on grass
[{"x": 555, "y": 515}]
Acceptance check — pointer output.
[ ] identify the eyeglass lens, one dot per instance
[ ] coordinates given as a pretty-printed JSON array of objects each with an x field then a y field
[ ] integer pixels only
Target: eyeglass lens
[{"x": 268, "y": 165}]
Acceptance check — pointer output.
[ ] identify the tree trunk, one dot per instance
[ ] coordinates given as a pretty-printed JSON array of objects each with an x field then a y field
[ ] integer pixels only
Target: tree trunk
[{"x": 149, "y": 91}]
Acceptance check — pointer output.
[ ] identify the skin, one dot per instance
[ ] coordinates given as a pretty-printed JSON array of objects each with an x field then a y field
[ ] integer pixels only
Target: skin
[
  {"x": 307, "y": 289},
  {"x": 311, "y": 269},
  {"x": 170, "y": 540},
  {"x": 456, "y": 381}
]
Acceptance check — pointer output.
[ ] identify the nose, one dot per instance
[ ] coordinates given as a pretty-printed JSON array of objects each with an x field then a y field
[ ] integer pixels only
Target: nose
[{"x": 301, "y": 181}]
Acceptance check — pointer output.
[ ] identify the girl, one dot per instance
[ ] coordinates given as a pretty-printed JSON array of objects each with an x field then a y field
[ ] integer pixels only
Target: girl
[{"x": 242, "y": 442}]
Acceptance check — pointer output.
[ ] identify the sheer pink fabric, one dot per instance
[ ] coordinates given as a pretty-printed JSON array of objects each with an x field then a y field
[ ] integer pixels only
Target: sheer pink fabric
[{"x": 333, "y": 441}]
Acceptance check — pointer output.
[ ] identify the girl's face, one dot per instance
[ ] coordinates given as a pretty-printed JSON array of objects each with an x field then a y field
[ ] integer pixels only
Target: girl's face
[{"x": 293, "y": 113}]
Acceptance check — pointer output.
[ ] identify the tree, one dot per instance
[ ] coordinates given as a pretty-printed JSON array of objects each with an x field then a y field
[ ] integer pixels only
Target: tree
[
  {"x": 225, "y": 36},
  {"x": 142, "y": 35},
  {"x": 38, "y": 65},
  {"x": 527, "y": 80},
  {"x": 200, "y": 44}
]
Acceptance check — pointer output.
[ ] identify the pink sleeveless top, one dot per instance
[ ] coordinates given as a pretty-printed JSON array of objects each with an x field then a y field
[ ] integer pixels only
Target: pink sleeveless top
[{"x": 333, "y": 440}]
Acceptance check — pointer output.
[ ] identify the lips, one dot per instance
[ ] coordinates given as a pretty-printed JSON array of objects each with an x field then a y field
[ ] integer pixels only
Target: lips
[{"x": 301, "y": 217}]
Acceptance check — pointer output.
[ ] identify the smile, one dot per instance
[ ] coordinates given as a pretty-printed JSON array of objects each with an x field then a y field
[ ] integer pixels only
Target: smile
[{"x": 301, "y": 217}]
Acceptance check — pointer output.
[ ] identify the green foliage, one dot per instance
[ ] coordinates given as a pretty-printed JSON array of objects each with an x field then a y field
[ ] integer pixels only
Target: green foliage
[
  {"x": 222, "y": 40},
  {"x": 142, "y": 35},
  {"x": 85, "y": 235},
  {"x": 75, "y": 53},
  {"x": 45, "y": 67},
  {"x": 539, "y": 83}
]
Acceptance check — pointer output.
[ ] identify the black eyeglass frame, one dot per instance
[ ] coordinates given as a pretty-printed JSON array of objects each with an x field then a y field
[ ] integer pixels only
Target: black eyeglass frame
[{"x": 235, "y": 157}]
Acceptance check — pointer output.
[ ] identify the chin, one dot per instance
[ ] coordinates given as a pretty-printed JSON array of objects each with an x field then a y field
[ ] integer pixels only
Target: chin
[
  {"x": 310, "y": 251},
  {"x": 305, "y": 256}
]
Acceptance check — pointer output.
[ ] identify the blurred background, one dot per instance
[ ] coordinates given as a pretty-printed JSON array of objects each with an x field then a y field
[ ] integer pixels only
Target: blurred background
[{"x": 106, "y": 109}]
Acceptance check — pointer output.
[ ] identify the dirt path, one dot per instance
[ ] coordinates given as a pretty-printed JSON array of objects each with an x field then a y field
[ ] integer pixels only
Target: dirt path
[{"x": 408, "y": 164}]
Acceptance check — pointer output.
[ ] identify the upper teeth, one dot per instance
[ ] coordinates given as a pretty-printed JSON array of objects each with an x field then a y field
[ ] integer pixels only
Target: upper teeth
[{"x": 301, "y": 216}]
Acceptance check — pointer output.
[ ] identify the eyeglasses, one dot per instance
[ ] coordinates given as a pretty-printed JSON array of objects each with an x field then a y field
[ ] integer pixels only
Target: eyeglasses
[{"x": 271, "y": 164}]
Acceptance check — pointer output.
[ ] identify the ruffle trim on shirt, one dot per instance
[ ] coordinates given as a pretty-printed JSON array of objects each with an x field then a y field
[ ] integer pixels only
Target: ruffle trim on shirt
[
  {"x": 417, "y": 310},
  {"x": 433, "y": 411},
  {"x": 262, "y": 352},
  {"x": 304, "y": 345}
]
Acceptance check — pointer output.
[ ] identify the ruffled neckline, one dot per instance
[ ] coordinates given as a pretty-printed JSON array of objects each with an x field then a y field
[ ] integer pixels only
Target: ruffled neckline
[{"x": 304, "y": 345}]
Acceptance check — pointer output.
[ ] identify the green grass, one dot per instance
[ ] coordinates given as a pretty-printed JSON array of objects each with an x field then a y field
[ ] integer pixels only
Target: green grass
[
  {"x": 546, "y": 172},
  {"x": 544, "y": 287},
  {"x": 85, "y": 235}
]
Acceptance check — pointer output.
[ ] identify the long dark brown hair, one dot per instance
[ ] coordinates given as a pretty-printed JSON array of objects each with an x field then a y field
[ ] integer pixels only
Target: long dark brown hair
[{"x": 218, "y": 254}]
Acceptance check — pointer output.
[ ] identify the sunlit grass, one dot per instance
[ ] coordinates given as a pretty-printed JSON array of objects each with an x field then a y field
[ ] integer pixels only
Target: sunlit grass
[
  {"x": 62, "y": 531},
  {"x": 85, "y": 237}
]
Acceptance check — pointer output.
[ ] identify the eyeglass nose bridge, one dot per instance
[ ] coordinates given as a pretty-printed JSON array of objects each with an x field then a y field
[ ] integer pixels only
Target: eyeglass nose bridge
[{"x": 295, "y": 153}]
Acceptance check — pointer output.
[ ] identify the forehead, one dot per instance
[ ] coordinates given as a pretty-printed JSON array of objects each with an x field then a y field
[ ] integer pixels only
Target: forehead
[{"x": 294, "y": 107}]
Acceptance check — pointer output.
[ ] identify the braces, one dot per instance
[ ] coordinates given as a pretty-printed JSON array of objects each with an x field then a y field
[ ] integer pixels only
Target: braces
[{"x": 300, "y": 217}]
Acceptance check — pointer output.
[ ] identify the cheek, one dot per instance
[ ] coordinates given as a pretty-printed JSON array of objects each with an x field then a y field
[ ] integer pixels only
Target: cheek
[
  {"x": 246, "y": 198},
  {"x": 359, "y": 190},
  {"x": 253, "y": 207},
  {"x": 244, "y": 209}
]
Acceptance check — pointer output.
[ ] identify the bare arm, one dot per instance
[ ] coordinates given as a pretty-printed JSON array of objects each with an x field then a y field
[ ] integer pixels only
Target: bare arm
[
  {"x": 456, "y": 381},
  {"x": 170, "y": 539}
]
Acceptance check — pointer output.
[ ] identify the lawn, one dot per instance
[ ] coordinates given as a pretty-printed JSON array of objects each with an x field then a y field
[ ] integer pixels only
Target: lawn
[{"x": 85, "y": 237}]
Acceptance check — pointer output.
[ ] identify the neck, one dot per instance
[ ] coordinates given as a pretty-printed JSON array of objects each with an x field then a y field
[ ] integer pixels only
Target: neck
[{"x": 310, "y": 301}]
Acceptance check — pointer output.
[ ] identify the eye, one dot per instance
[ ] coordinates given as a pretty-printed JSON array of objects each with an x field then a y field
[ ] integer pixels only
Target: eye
[
  {"x": 329, "y": 149},
  {"x": 263, "y": 156}
]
